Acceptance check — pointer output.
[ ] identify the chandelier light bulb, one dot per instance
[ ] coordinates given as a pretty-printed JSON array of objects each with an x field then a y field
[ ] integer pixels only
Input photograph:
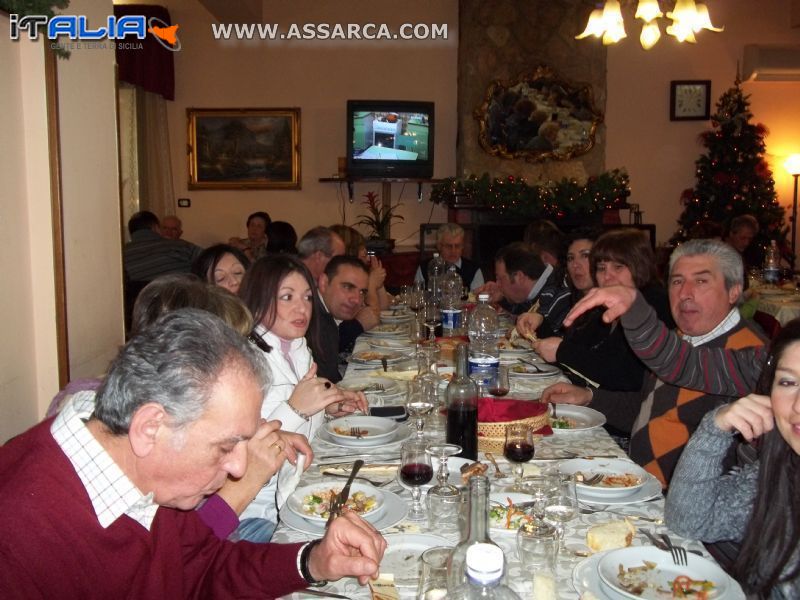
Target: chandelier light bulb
[
  {"x": 682, "y": 31},
  {"x": 647, "y": 10},
  {"x": 702, "y": 20},
  {"x": 595, "y": 26},
  {"x": 651, "y": 33}
]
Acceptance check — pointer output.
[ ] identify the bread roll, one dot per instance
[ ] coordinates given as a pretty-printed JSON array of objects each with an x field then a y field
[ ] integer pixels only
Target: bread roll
[{"x": 608, "y": 536}]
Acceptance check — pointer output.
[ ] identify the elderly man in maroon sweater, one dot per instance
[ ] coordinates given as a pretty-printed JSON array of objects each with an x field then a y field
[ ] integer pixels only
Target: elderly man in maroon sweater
[{"x": 97, "y": 503}]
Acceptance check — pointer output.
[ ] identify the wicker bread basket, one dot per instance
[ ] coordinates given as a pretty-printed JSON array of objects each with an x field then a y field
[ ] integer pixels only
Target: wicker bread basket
[{"x": 492, "y": 436}]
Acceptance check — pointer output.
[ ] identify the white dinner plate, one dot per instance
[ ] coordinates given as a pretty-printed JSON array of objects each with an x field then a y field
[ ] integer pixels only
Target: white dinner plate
[
  {"x": 378, "y": 430},
  {"x": 605, "y": 466},
  {"x": 358, "y": 384},
  {"x": 585, "y": 418},
  {"x": 394, "y": 511},
  {"x": 390, "y": 344},
  {"x": 295, "y": 501},
  {"x": 540, "y": 371},
  {"x": 365, "y": 357},
  {"x": 395, "y": 319},
  {"x": 698, "y": 568},
  {"x": 502, "y": 498},
  {"x": 388, "y": 330},
  {"x": 403, "y": 552},
  {"x": 649, "y": 491},
  {"x": 402, "y": 433}
]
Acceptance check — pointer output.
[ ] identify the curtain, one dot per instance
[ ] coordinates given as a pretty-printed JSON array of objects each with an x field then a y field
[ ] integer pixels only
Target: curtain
[{"x": 152, "y": 67}]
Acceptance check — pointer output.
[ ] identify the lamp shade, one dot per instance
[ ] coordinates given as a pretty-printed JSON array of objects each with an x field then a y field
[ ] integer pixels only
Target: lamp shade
[{"x": 792, "y": 164}]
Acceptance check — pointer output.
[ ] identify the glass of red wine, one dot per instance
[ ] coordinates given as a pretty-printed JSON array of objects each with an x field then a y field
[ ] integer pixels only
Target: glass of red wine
[
  {"x": 499, "y": 385},
  {"x": 518, "y": 449},
  {"x": 415, "y": 471}
]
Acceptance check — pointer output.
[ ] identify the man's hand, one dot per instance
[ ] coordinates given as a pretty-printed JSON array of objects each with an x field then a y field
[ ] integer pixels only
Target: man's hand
[
  {"x": 751, "y": 416},
  {"x": 294, "y": 444},
  {"x": 491, "y": 288},
  {"x": 351, "y": 548},
  {"x": 617, "y": 298},
  {"x": 528, "y": 323},
  {"x": 566, "y": 393},
  {"x": 547, "y": 348},
  {"x": 369, "y": 317}
]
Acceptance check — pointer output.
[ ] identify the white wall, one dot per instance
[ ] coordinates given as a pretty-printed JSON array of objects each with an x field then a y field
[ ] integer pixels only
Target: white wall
[
  {"x": 318, "y": 77},
  {"x": 92, "y": 242},
  {"x": 28, "y": 361},
  {"x": 660, "y": 154}
]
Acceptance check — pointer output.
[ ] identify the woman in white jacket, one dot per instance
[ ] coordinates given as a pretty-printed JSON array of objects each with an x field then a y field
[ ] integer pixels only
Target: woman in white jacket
[{"x": 278, "y": 290}]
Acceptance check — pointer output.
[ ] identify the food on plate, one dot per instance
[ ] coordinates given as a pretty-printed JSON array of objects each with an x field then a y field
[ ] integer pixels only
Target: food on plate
[
  {"x": 611, "y": 480},
  {"x": 563, "y": 423},
  {"x": 507, "y": 517},
  {"x": 367, "y": 355},
  {"x": 318, "y": 503},
  {"x": 389, "y": 328},
  {"x": 609, "y": 536},
  {"x": 446, "y": 376},
  {"x": 349, "y": 432},
  {"x": 686, "y": 587},
  {"x": 636, "y": 580},
  {"x": 470, "y": 470},
  {"x": 383, "y": 588}
]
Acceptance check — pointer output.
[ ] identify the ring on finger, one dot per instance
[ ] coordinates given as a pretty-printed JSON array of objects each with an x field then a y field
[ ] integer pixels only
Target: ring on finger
[{"x": 278, "y": 446}]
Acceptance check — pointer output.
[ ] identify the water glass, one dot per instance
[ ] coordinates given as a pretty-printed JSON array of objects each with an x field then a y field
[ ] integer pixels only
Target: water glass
[
  {"x": 433, "y": 579},
  {"x": 537, "y": 546},
  {"x": 540, "y": 487},
  {"x": 444, "y": 506},
  {"x": 561, "y": 506}
]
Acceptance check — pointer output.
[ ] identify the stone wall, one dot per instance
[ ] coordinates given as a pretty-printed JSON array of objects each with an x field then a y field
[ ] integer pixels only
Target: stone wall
[{"x": 500, "y": 39}]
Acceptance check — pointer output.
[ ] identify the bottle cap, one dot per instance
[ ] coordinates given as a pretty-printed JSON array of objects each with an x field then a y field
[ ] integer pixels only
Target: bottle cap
[
  {"x": 483, "y": 297},
  {"x": 435, "y": 255},
  {"x": 484, "y": 563}
]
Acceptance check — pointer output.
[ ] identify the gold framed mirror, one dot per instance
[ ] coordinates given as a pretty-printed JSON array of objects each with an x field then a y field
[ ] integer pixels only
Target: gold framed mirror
[{"x": 538, "y": 117}]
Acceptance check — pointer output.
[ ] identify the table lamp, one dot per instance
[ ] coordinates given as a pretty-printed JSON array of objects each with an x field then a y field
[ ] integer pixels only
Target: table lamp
[{"x": 792, "y": 165}]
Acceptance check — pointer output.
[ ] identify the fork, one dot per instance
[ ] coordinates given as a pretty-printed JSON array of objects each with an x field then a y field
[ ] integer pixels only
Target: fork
[
  {"x": 587, "y": 510},
  {"x": 592, "y": 480},
  {"x": 356, "y": 432},
  {"x": 370, "y": 481},
  {"x": 678, "y": 553}
]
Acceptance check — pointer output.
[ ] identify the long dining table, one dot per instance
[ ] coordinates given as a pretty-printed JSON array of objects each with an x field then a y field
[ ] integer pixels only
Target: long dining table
[{"x": 569, "y": 582}]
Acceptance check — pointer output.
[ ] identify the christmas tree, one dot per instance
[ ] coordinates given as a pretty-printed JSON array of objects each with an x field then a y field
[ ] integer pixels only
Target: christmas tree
[{"x": 733, "y": 178}]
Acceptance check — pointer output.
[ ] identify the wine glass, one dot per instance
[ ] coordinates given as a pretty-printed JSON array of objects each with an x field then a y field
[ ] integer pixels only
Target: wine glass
[
  {"x": 443, "y": 452},
  {"x": 415, "y": 471},
  {"x": 433, "y": 317},
  {"x": 540, "y": 487},
  {"x": 499, "y": 385},
  {"x": 419, "y": 403},
  {"x": 561, "y": 507},
  {"x": 518, "y": 449},
  {"x": 444, "y": 499},
  {"x": 416, "y": 298}
]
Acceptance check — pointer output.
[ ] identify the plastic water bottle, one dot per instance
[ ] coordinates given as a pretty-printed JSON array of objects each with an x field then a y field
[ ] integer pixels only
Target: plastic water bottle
[
  {"x": 772, "y": 267},
  {"x": 451, "y": 302},
  {"x": 485, "y": 563},
  {"x": 436, "y": 272},
  {"x": 484, "y": 355}
]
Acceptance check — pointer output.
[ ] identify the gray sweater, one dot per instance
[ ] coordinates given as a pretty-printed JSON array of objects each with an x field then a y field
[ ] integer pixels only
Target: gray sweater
[{"x": 705, "y": 504}]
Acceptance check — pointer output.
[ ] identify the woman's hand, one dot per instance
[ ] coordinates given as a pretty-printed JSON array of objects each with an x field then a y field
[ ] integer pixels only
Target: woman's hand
[
  {"x": 547, "y": 348},
  {"x": 377, "y": 274},
  {"x": 353, "y": 401},
  {"x": 313, "y": 394},
  {"x": 751, "y": 416},
  {"x": 528, "y": 323}
]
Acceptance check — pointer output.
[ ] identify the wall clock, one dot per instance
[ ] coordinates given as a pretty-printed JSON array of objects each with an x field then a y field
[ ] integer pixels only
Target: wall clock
[{"x": 690, "y": 100}]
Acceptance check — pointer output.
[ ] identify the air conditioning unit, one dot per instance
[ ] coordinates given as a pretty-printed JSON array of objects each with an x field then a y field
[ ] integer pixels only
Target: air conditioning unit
[{"x": 763, "y": 62}]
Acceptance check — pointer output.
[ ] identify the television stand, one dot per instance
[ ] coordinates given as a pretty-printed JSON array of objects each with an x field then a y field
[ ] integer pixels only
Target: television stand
[{"x": 386, "y": 184}]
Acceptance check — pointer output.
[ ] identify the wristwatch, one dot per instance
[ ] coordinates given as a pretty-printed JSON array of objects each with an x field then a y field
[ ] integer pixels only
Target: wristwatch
[{"x": 304, "y": 556}]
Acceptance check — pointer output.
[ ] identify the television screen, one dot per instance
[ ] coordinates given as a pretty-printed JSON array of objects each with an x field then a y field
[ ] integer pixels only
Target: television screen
[{"x": 390, "y": 138}]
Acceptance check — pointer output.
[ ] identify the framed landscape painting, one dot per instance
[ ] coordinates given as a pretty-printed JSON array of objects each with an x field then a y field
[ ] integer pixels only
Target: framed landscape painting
[{"x": 242, "y": 148}]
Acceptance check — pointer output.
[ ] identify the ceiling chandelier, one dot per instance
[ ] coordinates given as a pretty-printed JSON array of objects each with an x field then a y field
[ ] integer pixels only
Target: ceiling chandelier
[{"x": 688, "y": 18}]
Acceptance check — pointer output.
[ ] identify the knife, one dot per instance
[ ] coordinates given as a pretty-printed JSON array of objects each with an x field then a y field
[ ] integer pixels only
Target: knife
[
  {"x": 590, "y": 456},
  {"x": 321, "y": 594},
  {"x": 658, "y": 544},
  {"x": 341, "y": 499},
  {"x": 355, "y": 456}
]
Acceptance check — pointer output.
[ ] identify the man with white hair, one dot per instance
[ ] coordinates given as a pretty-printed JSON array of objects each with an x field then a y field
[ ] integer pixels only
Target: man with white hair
[
  {"x": 450, "y": 243},
  {"x": 171, "y": 227},
  {"x": 98, "y": 502},
  {"x": 705, "y": 287}
]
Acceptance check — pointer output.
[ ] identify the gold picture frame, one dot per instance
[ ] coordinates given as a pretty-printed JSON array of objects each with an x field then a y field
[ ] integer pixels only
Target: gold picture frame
[
  {"x": 244, "y": 148},
  {"x": 537, "y": 117}
]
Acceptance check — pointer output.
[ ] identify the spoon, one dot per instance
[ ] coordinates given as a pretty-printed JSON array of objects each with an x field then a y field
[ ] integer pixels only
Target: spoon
[{"x": 497, "y": 471}]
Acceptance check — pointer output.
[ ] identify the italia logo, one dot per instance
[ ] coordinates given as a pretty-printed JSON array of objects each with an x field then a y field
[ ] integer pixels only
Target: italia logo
[{"x": 76, "y": 27}]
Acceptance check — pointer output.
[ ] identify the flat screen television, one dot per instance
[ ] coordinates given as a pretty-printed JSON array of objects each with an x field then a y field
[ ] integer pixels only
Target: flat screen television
[{"x": 390, "y": 138}]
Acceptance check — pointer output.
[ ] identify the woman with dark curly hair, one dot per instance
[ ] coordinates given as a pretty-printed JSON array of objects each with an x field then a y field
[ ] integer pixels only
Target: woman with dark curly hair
[
  {"x": 758, "y": 505},
  {"x": 222, "y": 265}
]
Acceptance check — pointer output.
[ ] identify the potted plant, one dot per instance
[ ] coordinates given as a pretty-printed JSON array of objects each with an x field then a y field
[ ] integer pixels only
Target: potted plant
[{"x": 379, "y": 219}]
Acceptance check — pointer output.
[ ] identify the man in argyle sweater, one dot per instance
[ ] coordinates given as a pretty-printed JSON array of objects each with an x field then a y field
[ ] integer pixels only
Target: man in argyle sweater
[{"x": 705, "y": 285}]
